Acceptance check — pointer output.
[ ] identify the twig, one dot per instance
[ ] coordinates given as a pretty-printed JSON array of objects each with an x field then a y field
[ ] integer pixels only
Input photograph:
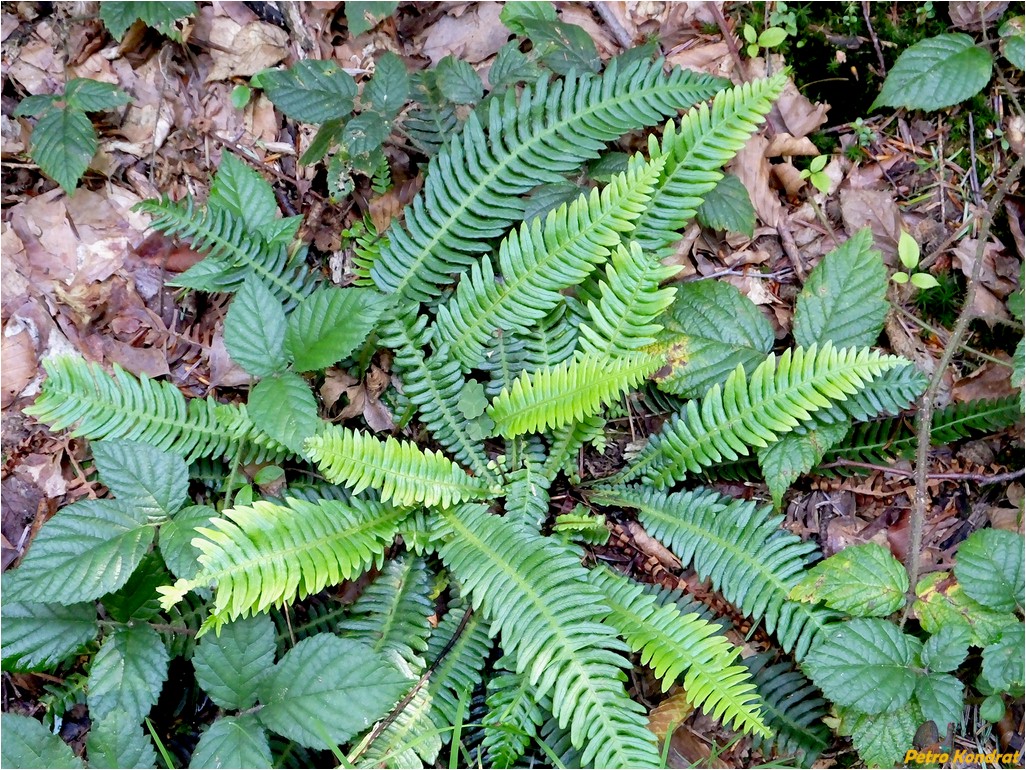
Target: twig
[
  {"x": 874, "y": 38},
  {"x": 940, "y": 334},
  {"x": 791, "y": 249},
  {"x": 926, "y": 406},
  {"x": 728, "y": 38},
  {"x": 607, "y": 16},
  {"x": 983, "y": 479}
]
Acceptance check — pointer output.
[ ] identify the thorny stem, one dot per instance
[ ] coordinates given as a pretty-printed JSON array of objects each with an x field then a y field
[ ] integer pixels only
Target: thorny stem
[
  {"x": 926, "y": 405},
  {"x": 940, "y": 334}
]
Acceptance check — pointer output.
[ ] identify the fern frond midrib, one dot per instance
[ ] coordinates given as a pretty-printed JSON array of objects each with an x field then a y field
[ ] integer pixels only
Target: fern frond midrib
[{"x": 522, "y": 148}]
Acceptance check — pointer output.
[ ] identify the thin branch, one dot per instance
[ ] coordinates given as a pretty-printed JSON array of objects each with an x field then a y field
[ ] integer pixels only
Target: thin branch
[
  {"x": 926, "y": 406},
  {"x": 606, "y": 14},
  {"x": 983, "y": 479},
  {"x": 874, "y": 38}
]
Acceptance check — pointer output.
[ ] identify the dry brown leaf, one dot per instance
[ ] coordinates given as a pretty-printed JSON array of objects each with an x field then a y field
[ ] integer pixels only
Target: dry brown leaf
[
  {"x": 670, "y": 713},
  {"x": 474, "y": 36},
  {"x": 877, "y": 209},
  {"x": 800, "y": 115},
  {"x": 989, "y": 381},
  {"x": 1016, "y": 218},
  {"x": 44, "y": 470},
  {"x": 247, "y": 49},
  {"x": 20, "y": 365},
  {"x": 999, "y": 272},
  {"x": 789, "y": 178},
  {"x": 649, "y": 546},
  {"x": 689, "y": 749},
  {"x": 785, "y": 144},
  {"x": 710, "y": 57},
  {"x": 974, "y": 14},
  {"x": 753, "y": 169}
]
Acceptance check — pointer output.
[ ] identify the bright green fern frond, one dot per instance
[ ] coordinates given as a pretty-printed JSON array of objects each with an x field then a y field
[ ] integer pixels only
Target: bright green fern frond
[
  {"x": 124, "y": 407},
  {"x": 573, "y": 390},
  {"x": 403, "y": 473},
  {"x": 433, "y": 384},
  {"x": 474, "y": 184},
  {"x": 232, "y": 251},
  {"x": 541, "y": 602},
  {"x": 391, "y": 615},
  {"x": 548, "y": 343},
  {"x": 539, "y": 260},
  {"x": 752, "y": 412},
  {"x": 739, "y": 547},
  {"x": 793, "y": 707},
  {"x": 266, "y": 554},
  {"x": 705, "y": 141},
  {"x": 672, "y": 644},
  {"x": 527, "y": 496},
  {"x": 623, "y": 318},
  {"x": 366, "y": 244}
]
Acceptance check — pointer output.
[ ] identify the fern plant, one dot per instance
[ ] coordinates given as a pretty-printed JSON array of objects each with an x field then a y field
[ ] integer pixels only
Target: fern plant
[{"x": 510, "y": 355}]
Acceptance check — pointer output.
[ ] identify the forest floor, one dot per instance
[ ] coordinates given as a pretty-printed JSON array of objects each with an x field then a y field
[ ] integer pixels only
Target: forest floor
[{"x": 83, "y": 273}]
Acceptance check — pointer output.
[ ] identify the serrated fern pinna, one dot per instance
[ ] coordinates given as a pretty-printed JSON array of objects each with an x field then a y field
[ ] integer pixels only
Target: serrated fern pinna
[{"x": 509, "y": 354}]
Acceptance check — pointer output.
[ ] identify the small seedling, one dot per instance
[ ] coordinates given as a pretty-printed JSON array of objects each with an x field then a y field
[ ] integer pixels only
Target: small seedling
[
  {"x": 768, "y": 38},
  {"x": 908, "y": 253},
  {"x": 815, "y": 174}
]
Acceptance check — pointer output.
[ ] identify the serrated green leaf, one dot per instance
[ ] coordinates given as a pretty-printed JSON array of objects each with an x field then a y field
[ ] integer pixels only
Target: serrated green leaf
[
  {"x": 1019, "y": 370},
  {"x": 923, "y": 281},
  {"x": 34, "y": 106},
  {"x": 327, "y": 135},
  {"x": 364, "y": 134},
  {"x": 1013, "y": 41},
  {"x": 940, "y": 698},
  {"x": 513, "y": 15},
  {"x": 330, "y": 324},
  {"x": 935, "y": 73},
  {"x": 864, "y": 664},
  {"x": 161, "y": 16},
  {"x": 862, "y": 580},
  {"x": 325, "y": 682},
  {"x": 117, "y": 740},
  {"x": 242, "y": 191},
  {"x": 44, "y": 634},
  {"x": 547, "y": 197},
  {"x": 511, "y": 66},
  {"x": 728, "y": 207},
  {"x": 883, "y": 739},
  {"x": 710, "y": 328},
  {"x": 85, "y": 551},
  {"x": 945, "y": 650},
  {"x": 908, "y": 250},
  {"x": 941, "y": 602},
  {"x": 231, "y": 665},
  {"x": 280, "y": 231},
  {"x": 785, "y": 460},
  {"x": 254, "y": 330},
  {"x": 567, "y": 48},
  {"x": 176, "y": 536},
  {"x": 284, "y": 408},
  {"x": 27, "y": 744},
  {"x": 990, "y": 569},
  {"x": 310, "y": 91},
  {"x": 458, "y": 81},
  {"x": 388, "y": 90},
  {"x": 1003, "y": 665},
  {"x": 236, "y": 742},
  {"x": 143, "y": 476},
  {"x": 367, "y": 14},
  {"x": 137, "y": 600},
  {"x": 844, "y": 300},
  {"x": 127, "y": 673},
  {"x": 63, "y": 143},
  {"x": 91, "y": 95}
]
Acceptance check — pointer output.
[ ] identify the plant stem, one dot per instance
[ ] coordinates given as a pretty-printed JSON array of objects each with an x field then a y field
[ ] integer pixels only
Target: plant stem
[{"x": 940, "y": 333}]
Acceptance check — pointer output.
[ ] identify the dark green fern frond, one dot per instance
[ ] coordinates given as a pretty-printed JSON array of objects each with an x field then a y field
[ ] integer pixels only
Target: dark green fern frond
[
  {"x": 739, "y": 547},
  {"x": 539, "y": 260},
  {"x": 514, "y": 716},
  {"x": 433, "y": 384},
  {"x": 889, "y": 393},
  {"x": 403, "y": 473},
  {"x": 547, "y": 613},
  {"x": 474, "y": 183},
  {"x": 77, "y": 392},
  {"x": 430, "y": 126},
  {"x": 622, "y": 320},
  {"x": 266, "y": 554},
  {"x": 707, "y": 138},
  {"x": 365, "y": 243},
  {"x": 527, "y": 496},
  {"x": 548, "y": 343},
  {"x": 573, "y": 390},
  {"x": 566, "y": 442},
  {"x": 753, "y": 412},
  {"x": 672, "y": 644},
  {"x": 503, "y": 361},
  {"x": 231, "y": 251},
  {"x": 794, "y": 709},
  {"x": 391, "y": 615}
]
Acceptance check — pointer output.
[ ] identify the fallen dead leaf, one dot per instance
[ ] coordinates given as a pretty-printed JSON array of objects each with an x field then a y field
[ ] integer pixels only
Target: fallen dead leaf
[
  {"x": 20, "y": 365},
  {"x": 800, "y": 115},
  {"x": 670, "y": 713},
  {"x": 753, "y": 169},
  {"x": 785, "y": 144},
  {"x": 989, "y": 381},
  {"x": 649, "y": 546},
  {"x": 247, "y": 49},
  {"x": 876, "y": 209},
  {"x": 976, "y": 14},
  {"x": 474, "y": 36}
]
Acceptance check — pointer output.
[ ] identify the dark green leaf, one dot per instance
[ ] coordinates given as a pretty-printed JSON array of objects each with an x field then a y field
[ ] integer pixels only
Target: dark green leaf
[
  {"x": 44, "y": 634},
  {"x": 254, "y": 329},
  {"x": 87, "y": 550},
  {"x": 364, "y": 133},
  {"x": 161, "y": 16},
  {"x": 1013, "y": 41},
  {"x": 327, "y": 135},
  {"x": 989, "y": 567},
  {"x": 883, "y": 739},
  {"x": 1003, "y": 665},
  {"x": 127, "y": 673},
  {"x": 945, "y": 650},
  {"x": 242, "y": 191},
  {"x": 458, "y": 81},
  {"x": 63, "y": 143},
  {"x": 861, "y": 580},
  {"x": 514, "y": 14},
  {"x": 940, "y": 698},
  {"x": 137, "y": 600},
  {"x": 237, "y": 742},
  {"x": 34, "y": 106},
  {"x": 117, "y": 740},
  {"x": 511, "y": 67},
  {"x": 548, "y": 197},
  {"x": 797, "y": 453},
  {"x": 367, "y": 14},
  {"x": 311, "y": 91},
  {"x": 567, "y": 47},
  {"x": 610, "y": 164},
  {"x": 728, "y": 207},
  {"x": 176, "y": 539},
  {"x": 27, "y": 744},
  {"x": 280, "y": 232},
  {"x": 326, "y": 686},
  {"x": 935, "y": 73},
  {"x": 93, "y": 96},
  {"x": 141, "y": 475},
  {"x": 388, "y": 90},
  {"x": 284, "y": 408},
  {"x": 330, "y": 324},
  {"x": 231, "y": 665}
]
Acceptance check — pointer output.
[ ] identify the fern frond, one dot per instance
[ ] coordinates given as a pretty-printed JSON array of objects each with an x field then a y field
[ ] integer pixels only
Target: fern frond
[
  {"x": 566, "y": 442},
  {"x": 707, "y": 138},
  {"x": 514, "y": 716},
  {"x": 365, "y": 243},
  {"x": 740, "y": 548},
  {"x": 793, "y": 708},
  {"x": 433, "y": 384},
  {"x": 672, "y": 644},
  {"x": 503, "y": 361},
  {"x": 224, "y": 239},
  {"x": 889, "y": 393},
  {"x": 391, "y": 615},
  {"x": 403, "y": 473},
  {"x": 752, "y": 412},
  {"x": 266, "y": 554},
  {"x": 539, "y": 260},
  {"x": 539, "y": 599},
  {"x": 430, "y": 126},
  {"x": 81, "y": 393},
  {"x": 629, "y": 300},
  {"x": 474, "y": 183},
  {"x": 527, "y": 496},
  {"x": 573, "y": 390}
]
